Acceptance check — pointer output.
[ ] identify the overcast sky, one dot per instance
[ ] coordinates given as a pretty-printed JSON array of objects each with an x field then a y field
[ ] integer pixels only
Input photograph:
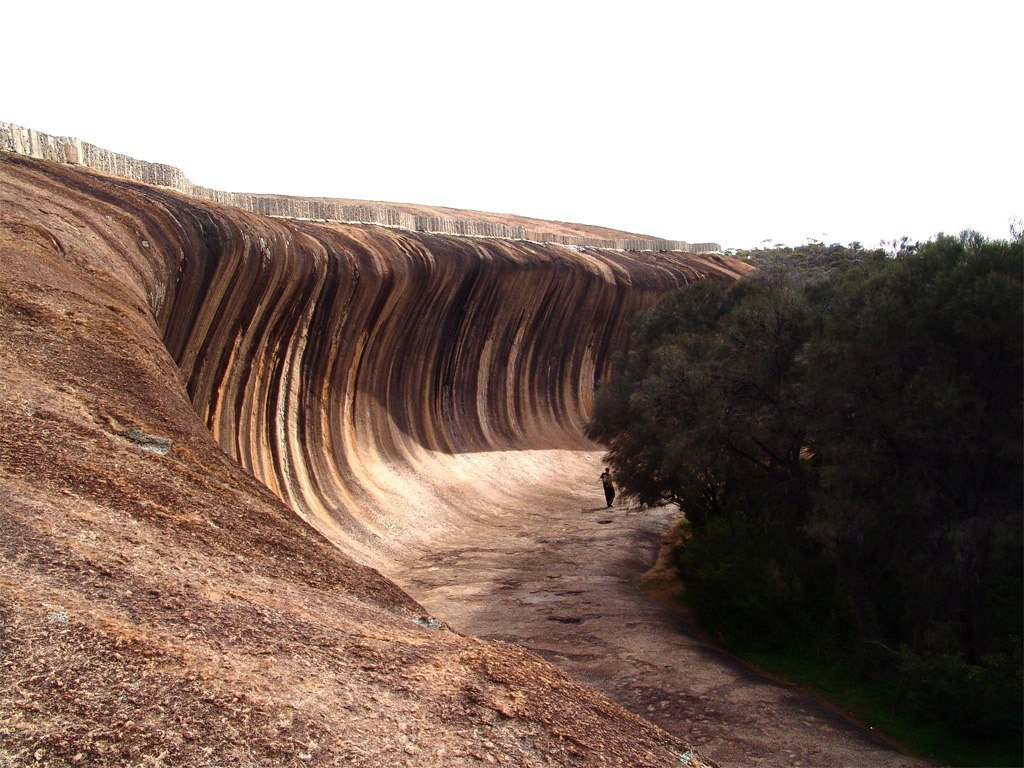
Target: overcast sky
[{"x": 734, "y": 122}]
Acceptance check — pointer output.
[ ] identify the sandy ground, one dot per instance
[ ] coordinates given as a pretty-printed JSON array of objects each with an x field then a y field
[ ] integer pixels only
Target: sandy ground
[{"x": 560, "y": 574}]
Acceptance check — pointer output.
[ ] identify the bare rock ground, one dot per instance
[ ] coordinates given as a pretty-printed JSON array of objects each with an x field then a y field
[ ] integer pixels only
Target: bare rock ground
[{"x": 560, "y": 574}]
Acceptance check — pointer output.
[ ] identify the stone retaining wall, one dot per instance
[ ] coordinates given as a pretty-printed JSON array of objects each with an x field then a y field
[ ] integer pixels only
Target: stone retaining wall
[{"x": 70, "y": 150}]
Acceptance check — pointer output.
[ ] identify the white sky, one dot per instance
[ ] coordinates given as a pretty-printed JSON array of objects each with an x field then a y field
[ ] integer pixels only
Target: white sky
[{"x": 734, "y": 122}]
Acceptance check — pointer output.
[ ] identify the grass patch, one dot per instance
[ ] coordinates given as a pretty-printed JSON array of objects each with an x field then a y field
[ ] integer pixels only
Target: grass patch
[{"x": 873, "y": 705}]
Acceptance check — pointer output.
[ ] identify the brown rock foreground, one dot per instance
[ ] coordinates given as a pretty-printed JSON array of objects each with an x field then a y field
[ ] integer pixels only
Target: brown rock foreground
[{"x": 158, "y": 604}]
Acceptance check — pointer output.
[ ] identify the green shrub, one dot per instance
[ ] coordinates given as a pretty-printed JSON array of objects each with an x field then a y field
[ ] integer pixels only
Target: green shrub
[
  {"x": 977, "y": 701},
  {"x": 845, "y": 440},
  {"x": 757, "y": 592}
]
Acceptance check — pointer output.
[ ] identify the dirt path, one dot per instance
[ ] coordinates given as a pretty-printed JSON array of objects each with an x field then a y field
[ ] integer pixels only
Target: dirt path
[{"x": 561, "y": 576}]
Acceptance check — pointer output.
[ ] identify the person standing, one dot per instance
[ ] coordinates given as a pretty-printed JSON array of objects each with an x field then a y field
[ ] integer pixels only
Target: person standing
[{"x": 609, "y": 486}]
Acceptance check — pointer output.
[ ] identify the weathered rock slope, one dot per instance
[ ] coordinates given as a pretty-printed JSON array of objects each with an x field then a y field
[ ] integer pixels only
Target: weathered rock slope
[{"x": 179, "y": 380}]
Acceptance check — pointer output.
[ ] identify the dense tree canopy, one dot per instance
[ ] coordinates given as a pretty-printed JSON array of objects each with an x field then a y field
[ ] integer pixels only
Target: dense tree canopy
[{"x": 844, "y": 436}]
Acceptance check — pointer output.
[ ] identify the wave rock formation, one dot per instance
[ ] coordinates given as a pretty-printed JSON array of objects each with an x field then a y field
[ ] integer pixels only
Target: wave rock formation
[{"x": 157, "y": 602}]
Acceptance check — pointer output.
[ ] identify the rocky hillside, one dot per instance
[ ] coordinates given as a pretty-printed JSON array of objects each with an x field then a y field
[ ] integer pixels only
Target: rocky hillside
[{"x": 179, "y": 380}]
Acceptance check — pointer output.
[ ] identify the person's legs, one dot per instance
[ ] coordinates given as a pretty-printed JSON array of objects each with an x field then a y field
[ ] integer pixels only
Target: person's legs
[{"x": 609, "y": 494}]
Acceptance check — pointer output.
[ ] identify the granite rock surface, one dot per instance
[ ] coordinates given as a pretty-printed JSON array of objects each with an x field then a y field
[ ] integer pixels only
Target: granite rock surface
[{"x": 217, "y": 427}]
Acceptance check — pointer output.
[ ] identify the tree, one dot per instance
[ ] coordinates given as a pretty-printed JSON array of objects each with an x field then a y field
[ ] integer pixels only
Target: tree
[
  {"x": 845, "y": 438},
  {"x": 916, "y": 382}
]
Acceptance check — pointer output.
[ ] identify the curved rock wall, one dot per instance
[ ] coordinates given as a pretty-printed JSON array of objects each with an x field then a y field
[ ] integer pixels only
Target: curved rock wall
[
  {"x": 66, "y": 149},
  {"x": 157, "y": 603},
  {"x": 347, "y": 366}
]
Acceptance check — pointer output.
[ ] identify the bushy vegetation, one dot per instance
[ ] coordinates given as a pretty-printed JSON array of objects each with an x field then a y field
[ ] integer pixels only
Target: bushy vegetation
[{"x": 844, "y": 436}]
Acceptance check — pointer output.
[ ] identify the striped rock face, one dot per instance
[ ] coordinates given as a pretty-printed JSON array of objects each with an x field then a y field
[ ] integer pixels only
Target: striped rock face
[
  {"x": 357, "y": 371},
  {"x": 213, "y": 421}
]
